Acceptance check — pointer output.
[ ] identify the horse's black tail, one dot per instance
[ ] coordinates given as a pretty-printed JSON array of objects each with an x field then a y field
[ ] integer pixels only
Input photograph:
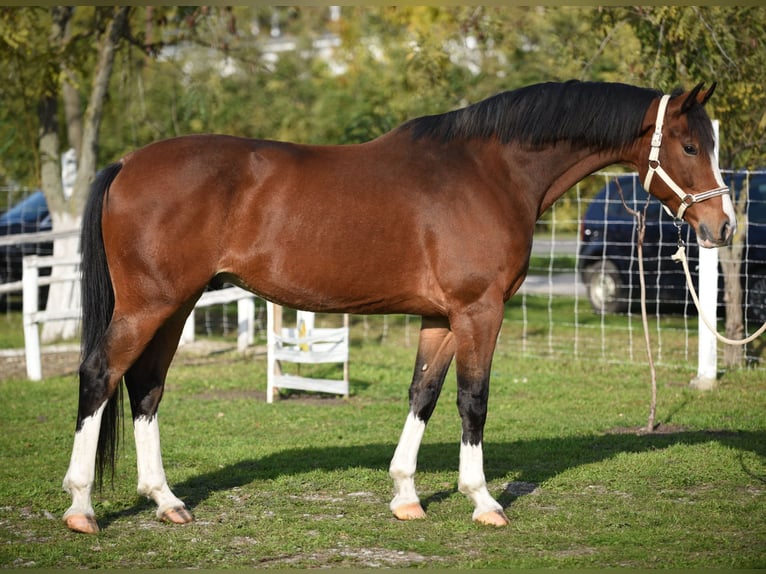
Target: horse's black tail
[{"x": 97, "y": 308}]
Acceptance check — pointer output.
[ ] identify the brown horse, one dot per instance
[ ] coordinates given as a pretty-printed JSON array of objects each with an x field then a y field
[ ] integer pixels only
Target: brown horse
[{"x": 434, "y": 219}]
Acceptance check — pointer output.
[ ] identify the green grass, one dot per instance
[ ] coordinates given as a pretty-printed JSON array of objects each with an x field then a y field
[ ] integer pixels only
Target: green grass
[
  {"x": 541, "y": 264},
  {"x": 303, "y": 482},
  {"x": 11, "y": 331}
]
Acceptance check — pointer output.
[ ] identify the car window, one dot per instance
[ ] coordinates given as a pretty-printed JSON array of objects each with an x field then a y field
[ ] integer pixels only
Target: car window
[
  {"x": 756, "y": 211},
  {"x": 635, "y": 197},
  {"x": 614, "y": 200}
]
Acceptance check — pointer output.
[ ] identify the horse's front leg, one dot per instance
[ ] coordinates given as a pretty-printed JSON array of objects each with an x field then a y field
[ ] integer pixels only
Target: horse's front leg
[
  {"x": 476, "y": 335},
  {"x": 435, "y": 351}
]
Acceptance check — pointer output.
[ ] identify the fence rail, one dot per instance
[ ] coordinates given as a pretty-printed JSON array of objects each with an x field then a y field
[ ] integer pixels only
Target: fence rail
[{"x": 34, "y": 317}]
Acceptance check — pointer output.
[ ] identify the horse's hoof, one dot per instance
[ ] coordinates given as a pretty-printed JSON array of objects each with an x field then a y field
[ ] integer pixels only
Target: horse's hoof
[
  {"x": 493, "y": 518},
  {"x": 178, "y": 515},
  {"x": 81, "y": 523},
  {"x": 410, "y": 512}
]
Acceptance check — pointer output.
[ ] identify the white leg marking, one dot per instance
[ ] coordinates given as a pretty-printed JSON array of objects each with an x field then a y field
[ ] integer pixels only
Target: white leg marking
[
  {"x": 404, "y": 462},
  {"x": 79, "y": 478},
  {"x": 151, "y": 474},
  {"x": 471, "y": 481}
]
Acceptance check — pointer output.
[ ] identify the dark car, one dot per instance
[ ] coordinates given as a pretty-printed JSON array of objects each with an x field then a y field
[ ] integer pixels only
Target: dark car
[
  {"x": 30, "y": 215},
  {"x": 608, "y": 259}
]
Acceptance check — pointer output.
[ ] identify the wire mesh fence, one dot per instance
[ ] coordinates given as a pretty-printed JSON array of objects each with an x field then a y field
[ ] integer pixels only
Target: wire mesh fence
[{"x": 581, "y": 298}]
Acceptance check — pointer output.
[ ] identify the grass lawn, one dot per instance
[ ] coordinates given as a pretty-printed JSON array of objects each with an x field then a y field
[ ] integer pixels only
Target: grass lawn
[{"x": 304, "y": 482}]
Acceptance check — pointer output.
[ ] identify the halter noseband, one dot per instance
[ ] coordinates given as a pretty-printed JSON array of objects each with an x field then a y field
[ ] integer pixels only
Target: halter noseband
[{"x": 687, "y": 199}]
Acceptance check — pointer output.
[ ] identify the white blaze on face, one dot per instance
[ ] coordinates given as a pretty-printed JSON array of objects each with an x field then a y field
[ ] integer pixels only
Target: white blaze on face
[
  {"x": 728, "y": 206},
  {"x": 728, "y": 209}
]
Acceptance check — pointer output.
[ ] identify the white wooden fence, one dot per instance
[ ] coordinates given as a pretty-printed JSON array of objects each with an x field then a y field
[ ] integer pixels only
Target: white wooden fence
[
  {"x": 304, "y": 344},
  {"x": 34, "y": 317}
]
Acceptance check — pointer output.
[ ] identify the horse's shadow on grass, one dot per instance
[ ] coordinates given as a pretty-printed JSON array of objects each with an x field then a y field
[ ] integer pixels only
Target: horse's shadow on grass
[{"x": 532, "y": 461}]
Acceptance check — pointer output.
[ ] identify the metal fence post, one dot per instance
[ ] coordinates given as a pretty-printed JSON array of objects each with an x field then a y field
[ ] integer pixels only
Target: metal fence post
[{"x": 707, "y": 346}]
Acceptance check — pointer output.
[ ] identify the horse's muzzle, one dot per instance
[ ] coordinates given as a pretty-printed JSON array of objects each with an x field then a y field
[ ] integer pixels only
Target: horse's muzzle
[{"x": 720, "y": 238}]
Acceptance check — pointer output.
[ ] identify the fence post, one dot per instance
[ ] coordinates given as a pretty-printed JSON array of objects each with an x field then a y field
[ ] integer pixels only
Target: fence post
[
  {"x": 245, "y": 322},
  {"x": 707, "y": 346},
  {"x": 30, "y": 294},
  {"x": 187, "y": 335}
]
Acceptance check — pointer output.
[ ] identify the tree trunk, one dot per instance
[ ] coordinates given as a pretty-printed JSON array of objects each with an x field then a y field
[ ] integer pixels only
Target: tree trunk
[
  {"x": 59, "y": 296},
  {"x": 733, "y": 355},
  {"x": 731, "y": 265},
  {"x": 67, "y": 214}
]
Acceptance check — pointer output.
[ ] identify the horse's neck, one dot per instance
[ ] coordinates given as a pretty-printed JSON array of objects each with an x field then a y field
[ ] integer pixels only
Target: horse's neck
[{"x": 559, "y": 168}]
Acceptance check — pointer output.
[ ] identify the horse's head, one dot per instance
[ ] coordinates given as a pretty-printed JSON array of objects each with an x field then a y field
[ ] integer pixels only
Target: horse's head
[{"x": 680, "y": 167}]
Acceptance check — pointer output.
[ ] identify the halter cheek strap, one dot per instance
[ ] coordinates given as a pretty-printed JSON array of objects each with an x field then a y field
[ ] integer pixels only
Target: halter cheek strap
[{"x": 687, "y": 199}]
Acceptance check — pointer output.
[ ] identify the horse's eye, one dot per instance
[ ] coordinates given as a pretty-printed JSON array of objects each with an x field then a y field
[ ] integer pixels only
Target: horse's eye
[{"x": 690, "y": 149}]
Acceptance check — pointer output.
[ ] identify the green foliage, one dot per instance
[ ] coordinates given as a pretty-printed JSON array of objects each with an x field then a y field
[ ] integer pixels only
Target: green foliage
[
  {"x": 684, "y": 45},
  {"x": 395, "y": 63},
  {"x": 23, "y": 63}
]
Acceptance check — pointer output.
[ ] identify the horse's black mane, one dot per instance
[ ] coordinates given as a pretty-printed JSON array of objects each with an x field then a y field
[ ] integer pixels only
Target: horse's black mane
[{"x": 586, "y": 114}]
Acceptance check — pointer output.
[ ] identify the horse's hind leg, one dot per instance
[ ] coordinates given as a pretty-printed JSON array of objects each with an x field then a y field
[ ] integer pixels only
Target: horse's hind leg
[
  {"x": 100, "y": 375},
  {"x": 80, "y": 475},
  {"x": 435, "y": 351},
  {"x": 145, "y": 382}
]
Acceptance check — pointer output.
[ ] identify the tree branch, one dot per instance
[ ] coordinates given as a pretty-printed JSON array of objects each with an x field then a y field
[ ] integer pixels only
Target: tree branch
[{"x": 87, "y": 160}]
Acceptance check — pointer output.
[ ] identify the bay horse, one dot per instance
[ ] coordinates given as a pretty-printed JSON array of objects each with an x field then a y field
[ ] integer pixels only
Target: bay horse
[{"x": 434, "y": 218}]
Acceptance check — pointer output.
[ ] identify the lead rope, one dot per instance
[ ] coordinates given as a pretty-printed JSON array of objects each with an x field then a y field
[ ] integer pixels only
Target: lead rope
[
  {"x": 680, "y": 255},
  {"x": 641, "y": 231}
]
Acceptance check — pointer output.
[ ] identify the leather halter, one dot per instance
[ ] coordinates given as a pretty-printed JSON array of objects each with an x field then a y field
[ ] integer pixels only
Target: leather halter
[{"x": 687, "y": 199}]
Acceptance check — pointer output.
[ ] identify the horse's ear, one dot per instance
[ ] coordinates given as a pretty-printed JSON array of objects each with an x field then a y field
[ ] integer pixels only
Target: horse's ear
[
  {"x": 697, "y": 96},
  {"x": 691, "y": 98},
  {"x": 706, "y": 95}
]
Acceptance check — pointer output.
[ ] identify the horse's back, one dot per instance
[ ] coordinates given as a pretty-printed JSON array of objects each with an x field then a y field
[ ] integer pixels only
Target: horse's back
[
  {"x": 375, "y": 227},
  {"x": 309, "y": 226}
]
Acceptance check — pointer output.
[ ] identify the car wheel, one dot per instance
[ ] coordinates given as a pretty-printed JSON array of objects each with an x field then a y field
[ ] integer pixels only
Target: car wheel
[
  {"x": 606, "y": 291},
  {"x": 756, "y": 302}
]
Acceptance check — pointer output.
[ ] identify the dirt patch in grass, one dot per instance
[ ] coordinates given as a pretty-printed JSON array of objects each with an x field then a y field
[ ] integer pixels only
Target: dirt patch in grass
[
  {"x": 660, "y": 428},
  {"x": 356, "y": 558},
  {"x": 63, "y": 360},
  {"x": 669, "y": 429},
  {"x": 59, "y": 361}
]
